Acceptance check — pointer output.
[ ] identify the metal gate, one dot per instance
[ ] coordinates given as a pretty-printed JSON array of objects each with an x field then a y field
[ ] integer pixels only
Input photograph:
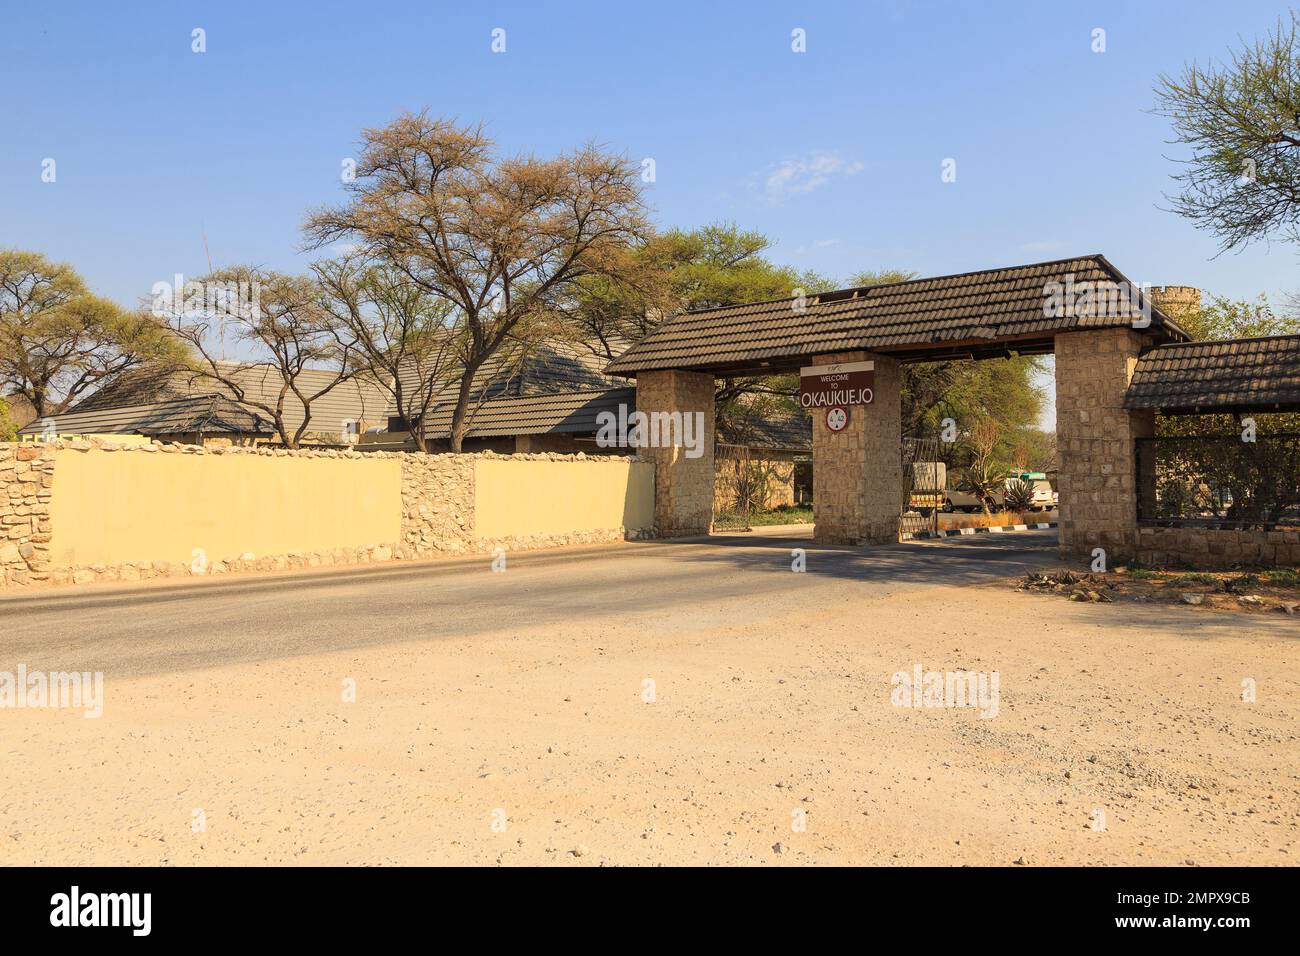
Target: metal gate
[{"x": 922, "y": 501}]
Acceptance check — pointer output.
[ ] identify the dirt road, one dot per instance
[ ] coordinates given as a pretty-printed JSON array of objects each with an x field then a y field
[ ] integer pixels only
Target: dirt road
[{"x": 660, "y": 703}]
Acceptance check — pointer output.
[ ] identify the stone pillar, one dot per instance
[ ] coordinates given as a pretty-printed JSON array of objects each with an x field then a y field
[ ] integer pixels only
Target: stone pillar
[
  {"x": 858, "y": 472},
  {"x": 683, "y": 484},
  {"x": 1095, "y": 437}
]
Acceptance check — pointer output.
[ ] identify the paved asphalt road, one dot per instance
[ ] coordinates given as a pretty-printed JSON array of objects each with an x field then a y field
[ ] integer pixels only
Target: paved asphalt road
[{"x": 168, "y": 628}]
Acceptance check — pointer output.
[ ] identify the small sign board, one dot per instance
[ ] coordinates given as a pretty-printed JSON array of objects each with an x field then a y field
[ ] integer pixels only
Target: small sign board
[
  {"x": 837, "y": 418},
  {"x": 847, "y": 383}
]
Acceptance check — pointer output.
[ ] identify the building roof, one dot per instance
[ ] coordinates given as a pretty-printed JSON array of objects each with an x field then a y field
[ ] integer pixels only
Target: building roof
[
  {"x": 556, "y": 389},
  {"x": 575, "y": 413},
  {"x": 982, "y": 313},
  {"x": 555, "y": 414},
  {"x": 791, "y": 432},
  {"x": 355, "y": 400},
  {"x": 1259, "y": 374},
  {"x": 198, "y": 413},
  {"x": 545, "y": 369}
]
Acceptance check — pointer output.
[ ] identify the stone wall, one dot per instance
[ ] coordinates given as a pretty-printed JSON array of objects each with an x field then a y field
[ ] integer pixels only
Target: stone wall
[
  {"x": 730, "y": 481},
  {"x": 26, "y": 487},
  {"x": 1095, "y": 437},
  {"x": 858, "y": 475},
  {"x": 437, "y": 506},
  {"x": 1213, "y": 548},
  {"x": 683, "y": 485}
]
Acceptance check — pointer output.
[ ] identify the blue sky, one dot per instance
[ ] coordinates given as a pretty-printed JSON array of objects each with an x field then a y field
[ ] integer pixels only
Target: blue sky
[{"x": 835, "y": 153}]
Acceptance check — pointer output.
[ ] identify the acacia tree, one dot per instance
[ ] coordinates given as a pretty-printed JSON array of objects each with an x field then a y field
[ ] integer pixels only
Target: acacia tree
[
  {"x": 1225, "y": 318},
  {"x": 58, "y": 341},
  {"x": 8, "y": 430},
  {"x": 503, "y": 241},
  {"x": 408, "y": 338},
  {"x": 285, "y": 326},
  {"x": 1242, "y": 122}
]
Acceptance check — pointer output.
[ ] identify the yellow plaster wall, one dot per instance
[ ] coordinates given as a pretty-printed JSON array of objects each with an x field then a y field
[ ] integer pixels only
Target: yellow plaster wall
[
  {"x": 129, "y": 507},
  {"x": 524, "y": 497}
]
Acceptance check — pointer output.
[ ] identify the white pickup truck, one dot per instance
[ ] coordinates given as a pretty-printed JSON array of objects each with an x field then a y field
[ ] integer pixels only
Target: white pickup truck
[{"x": 1044, "y": 497}]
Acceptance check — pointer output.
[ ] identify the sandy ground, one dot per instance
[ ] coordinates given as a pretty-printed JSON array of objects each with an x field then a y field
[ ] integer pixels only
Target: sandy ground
[{"x": 771, "y": 706}]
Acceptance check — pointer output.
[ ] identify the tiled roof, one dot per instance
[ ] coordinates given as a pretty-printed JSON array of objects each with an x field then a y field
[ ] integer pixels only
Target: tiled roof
[
  {"x": 1261, "y": 374},
  {"x": 994, "y": 308},
  {"x": 559, "y": 413},
  {"x": 198, "y": 413}
]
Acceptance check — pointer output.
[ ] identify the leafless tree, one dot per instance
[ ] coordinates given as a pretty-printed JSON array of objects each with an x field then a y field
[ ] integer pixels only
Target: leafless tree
[
  {"x": 983, "y": 476},
  {"x": 282, "y": 320}
]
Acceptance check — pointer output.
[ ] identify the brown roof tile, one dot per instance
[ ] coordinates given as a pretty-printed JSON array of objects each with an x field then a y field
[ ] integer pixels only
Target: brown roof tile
[
  {"x": 1259, "y": 374},
  {"x": 921, "y": 316}
]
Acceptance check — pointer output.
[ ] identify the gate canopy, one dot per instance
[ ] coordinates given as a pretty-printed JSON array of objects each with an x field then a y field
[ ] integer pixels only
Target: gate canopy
[
  {"x": 987, "y": 314},
  {"x": 1228, "y": 375}
]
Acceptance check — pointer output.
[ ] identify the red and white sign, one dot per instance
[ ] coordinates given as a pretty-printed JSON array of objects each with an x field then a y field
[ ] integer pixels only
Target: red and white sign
[
  {"x": 837, "y": 418},
  {"x": 848, "y": 383}
]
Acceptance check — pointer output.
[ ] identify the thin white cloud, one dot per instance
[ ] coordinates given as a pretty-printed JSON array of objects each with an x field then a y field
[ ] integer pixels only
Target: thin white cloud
[
  {"x": 816, "y": 244},
  {"x": 803, "y": 174}
]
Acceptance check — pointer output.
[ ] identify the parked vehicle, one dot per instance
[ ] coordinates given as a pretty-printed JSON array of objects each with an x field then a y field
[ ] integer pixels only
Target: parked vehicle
[
  {"x": 965, "y": 501},
  {"x": 929, "y": 478},
  {"x": 1043, "y": 496},
  {"x": 930, "y": 491}
]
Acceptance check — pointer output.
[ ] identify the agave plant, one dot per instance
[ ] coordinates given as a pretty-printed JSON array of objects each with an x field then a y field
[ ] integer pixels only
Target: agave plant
[{"x": 1019, "y": 496}]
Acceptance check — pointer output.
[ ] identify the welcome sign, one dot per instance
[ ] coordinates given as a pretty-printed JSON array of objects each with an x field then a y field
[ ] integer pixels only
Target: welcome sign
[{"x": 848, "y": 383}]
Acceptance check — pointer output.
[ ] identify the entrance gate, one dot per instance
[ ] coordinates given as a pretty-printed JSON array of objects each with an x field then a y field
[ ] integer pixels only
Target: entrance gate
[
  {"x": 1083, "y": 310},
  {"x": 922, "y": 494}
]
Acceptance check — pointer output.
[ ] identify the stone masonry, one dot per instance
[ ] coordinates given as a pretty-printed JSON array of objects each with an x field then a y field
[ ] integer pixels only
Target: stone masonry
[
  {"x": 1095, "y": 437},
  {"x": 683, "y": 486},
  {"x": 1217, "y": 548},
  {"x": 26, "y": 487},
  {"x": 437, "y": 503},
  {"x": 857, "y": 473}
]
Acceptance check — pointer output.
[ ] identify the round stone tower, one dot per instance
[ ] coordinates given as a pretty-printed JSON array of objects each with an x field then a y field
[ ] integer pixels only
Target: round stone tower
[{"x": 1176, "y": 301}]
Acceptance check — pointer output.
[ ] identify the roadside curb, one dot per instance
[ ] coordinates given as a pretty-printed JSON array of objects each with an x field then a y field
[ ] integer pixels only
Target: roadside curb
[{"x": 954, "y": 532}]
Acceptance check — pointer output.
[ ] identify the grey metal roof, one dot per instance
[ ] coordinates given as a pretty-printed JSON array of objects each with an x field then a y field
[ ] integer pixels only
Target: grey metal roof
[
  {"x": 198, "y": 413},
  {"x": 974, "y": 312},
  {"x": 1257, "y": 374},
  {"x": 354, "y": 400}
]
